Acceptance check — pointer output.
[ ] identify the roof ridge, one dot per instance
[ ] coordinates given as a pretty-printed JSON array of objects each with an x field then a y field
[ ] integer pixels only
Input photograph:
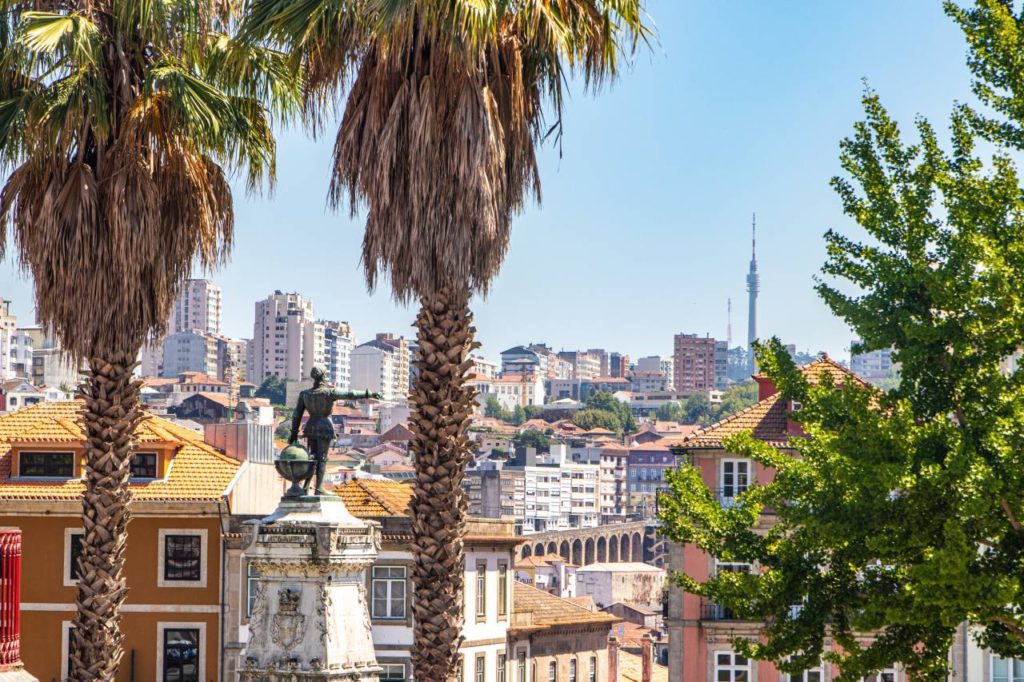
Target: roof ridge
[{"x": 735, "y": 415}]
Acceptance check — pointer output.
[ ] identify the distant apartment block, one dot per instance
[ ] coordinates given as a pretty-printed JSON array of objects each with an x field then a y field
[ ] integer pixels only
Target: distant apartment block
[
  {"x": 518, "y": 389},
  {"x": 875, "y": 364},
  {"x": 287, "y": 339},
  {"x": 382, "y": 366},
  {"x": 618, "y": 365},
  {"x": 339, "y": 342},
  {"x": 694, "y": 360},
  {"x": 198, "y": 306},
  {"x": 8, "y": 326},
  {"x": 585, "y": 365}
]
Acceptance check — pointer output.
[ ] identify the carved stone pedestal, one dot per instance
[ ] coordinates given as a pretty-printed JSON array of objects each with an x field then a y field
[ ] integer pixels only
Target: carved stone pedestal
[{"x": 310, "y": 621}]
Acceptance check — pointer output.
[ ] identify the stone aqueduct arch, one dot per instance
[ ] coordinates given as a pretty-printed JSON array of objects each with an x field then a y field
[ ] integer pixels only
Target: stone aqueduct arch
[{"x": 613, "y": 543}]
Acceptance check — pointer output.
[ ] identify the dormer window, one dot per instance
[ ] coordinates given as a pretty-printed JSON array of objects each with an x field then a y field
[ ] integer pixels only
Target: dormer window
[
  {"x": 144, "y": 465},
  {"x": 42, "y": 464}
]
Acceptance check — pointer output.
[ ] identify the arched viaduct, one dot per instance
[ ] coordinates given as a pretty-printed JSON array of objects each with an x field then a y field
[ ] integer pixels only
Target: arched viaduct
[{"x": 612, "y": 543}]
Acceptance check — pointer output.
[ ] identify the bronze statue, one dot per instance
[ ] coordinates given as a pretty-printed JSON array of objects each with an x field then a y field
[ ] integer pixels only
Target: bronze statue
[{"x": 319, "y": 430}]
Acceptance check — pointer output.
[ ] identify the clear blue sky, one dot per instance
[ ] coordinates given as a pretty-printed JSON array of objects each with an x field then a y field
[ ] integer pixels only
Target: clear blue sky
[{"x": 645, "y": 226}]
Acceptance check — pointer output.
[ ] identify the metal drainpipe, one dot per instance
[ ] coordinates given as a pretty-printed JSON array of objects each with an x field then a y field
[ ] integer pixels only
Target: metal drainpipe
[{"x": 223, "y": 580}]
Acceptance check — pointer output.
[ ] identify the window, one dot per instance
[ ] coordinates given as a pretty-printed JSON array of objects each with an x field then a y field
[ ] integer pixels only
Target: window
[
  {"x": 144, "y": 465},
  {"x": 252, "y": 582},
  {"x": 502, "y": 662},
  {"x": 521, "y": 655},
  {"x": 479, "y": 674},
  {"x": 502, "y": 588},
  {"x": 731, "y": 667},
  {"x": 181, "y": 655},
  {"x": 592, "y": 675},
  {"x": 814, "y": 674},
  {"x": 392, "y": 672},
  {"x": 65, "y": 646},
  {"x": 888, "y": 675},
  {"x": 72, "y": 551},
  {"x": 552, "y": 672},
  {"x": 183, "y": 557},
  {"x": 481, "y": 590},
  {"x": 731, "y": 567},
  {"x": 388, "y": 587},
  {"x": 735, "y": 478},
  {"x": 47, "y": 464},
  {"x": 1007, "y": 669},
  {"x": 572, "y": 670}
]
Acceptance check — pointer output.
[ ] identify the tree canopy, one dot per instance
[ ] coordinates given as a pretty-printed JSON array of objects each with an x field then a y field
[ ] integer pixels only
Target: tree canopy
[
  {"x": 273, "y": 389},
  {"x": 531, "y": 438},
  {"x": 606, "y": 402},
  {"x": 592, "y": 418},
  {"x": 901, "y": 513}
]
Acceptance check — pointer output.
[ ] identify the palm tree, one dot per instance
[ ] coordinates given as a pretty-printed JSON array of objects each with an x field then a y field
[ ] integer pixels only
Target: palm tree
[
  {"x": 445, "y": 109},
  {"x": 115, "y": 119}
]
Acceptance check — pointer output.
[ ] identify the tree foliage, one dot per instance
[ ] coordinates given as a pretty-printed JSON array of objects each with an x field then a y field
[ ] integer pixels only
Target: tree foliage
[
  {"x": 531, "y": 438},
  {"x": 604, "y": 401},
  {"x": 273, "y": 389},
  {"x": 592, "y": 418},
  {"x": 901, "y": 512}
]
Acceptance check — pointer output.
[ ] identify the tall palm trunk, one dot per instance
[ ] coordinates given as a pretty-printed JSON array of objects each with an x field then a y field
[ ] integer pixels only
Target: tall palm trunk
[
  {"x": 442, "y": 406},
  {"x": 111, "y": 415}
]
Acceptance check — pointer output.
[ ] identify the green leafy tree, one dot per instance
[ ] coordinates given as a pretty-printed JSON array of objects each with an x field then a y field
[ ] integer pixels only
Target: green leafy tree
[
  {"x": 671, "y": 411},
  {"x": 902, "y": 514},
  {"x": 697, "y": 409},
  {"x": 736, "y": 398},
  {"x": 602, "y": 400},
  {"x": 531, "y": 438},
  {"x": 592, "y": 418},
  {"x": 533, "y": 411},
  {"x": 273, "y": 389},
  {"x": 518, "y": 415},
  {"x": 494, "y": 409}
]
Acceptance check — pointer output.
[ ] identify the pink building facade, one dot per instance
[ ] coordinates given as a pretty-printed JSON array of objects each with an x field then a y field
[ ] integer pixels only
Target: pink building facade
[{"x": 701, "y": 633}]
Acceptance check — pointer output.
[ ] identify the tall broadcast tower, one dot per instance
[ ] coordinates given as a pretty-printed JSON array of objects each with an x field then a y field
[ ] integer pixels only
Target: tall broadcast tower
[{"x": 753, "y": 286}]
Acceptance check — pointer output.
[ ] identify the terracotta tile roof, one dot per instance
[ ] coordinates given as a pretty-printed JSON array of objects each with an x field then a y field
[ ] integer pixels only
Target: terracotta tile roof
[
  {"x": 766, "y": 419},
  {"x": 544, "y": 560},
  {"x": 222, "y": 399},
  {"x": 198, "y": 472},
  {"x": 548, "y": 610},
  {"x": 368, "y": 499}
]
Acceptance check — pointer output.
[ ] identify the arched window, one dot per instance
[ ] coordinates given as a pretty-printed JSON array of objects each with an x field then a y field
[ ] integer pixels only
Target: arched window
[
  {"x": 572, "y": 670},
  {"x": 552, "y": 672},
  {"x": 593, "y": 669}
]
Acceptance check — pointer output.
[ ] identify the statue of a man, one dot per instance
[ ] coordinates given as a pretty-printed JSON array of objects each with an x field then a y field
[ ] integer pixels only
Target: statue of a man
[{"x": 319, "y": 430}]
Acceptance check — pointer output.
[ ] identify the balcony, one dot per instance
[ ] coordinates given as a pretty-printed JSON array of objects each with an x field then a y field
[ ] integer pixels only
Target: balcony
[
  {"x": 709, "y": 610},
  {"x": 727, "y": 497}
]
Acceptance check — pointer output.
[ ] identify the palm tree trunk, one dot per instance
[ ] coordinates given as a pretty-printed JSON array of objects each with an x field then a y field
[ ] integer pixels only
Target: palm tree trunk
[
  {"x": 110, "y": 417},
  {"x": 442, "y": 405}
]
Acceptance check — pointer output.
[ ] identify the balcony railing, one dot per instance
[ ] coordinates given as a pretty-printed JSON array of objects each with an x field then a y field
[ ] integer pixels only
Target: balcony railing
[
  {"x": 727, "y": 497},
  {"x": 709, "y": 610}
]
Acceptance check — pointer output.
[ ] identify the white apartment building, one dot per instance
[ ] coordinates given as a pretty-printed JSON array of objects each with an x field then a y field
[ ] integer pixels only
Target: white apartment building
[
  {"x": 189, "y": 351},
  {"x": 379, "y": 367},
  {"x": 875, "y": 364},
  {"x": 198, "y": 306},
  {"x": 484, "y": 369},
  {"x": 339, "y": 341},
  {"x": 287, "y": 339},
  {"x": 557, "y": 493},
  {"x": 8, "y": 326}
]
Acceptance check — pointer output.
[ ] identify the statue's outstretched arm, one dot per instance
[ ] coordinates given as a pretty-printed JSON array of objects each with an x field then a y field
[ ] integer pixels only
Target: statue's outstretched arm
[
  {"x": 300, "y": 409},
  {"x": 352, "y": 395}
]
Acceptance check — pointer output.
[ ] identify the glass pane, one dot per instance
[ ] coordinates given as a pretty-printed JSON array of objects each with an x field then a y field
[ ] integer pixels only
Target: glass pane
[
  {"x": 724, "y": 676},
  {"x": 740, "y": 660},
  {"x": 181, "y": 655},
  {"x": 814, "y": 676},
  {"x": 1018, "y": 669},
  {"x": 724, "y": 659},
  {"x": 740, "y": 676},
  {"x": 398, "y": 598},
  {"x": 1000, "y": 670}
]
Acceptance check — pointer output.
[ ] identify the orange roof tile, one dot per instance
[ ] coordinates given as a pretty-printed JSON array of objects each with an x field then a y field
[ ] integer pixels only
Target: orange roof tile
[
  {"x": 367, "y": 498},
  {"x": 198, "y": 471},
  {"x": 548, "y": 610}
]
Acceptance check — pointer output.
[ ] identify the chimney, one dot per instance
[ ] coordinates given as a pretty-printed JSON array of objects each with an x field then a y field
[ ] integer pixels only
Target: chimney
[
  {"x": 613, "y": 659},
  {"x": 647, "y": 656}
]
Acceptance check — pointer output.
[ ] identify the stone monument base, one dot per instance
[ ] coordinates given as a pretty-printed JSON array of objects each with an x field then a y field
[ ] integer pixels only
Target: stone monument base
[{"x": 310, "y": 621}]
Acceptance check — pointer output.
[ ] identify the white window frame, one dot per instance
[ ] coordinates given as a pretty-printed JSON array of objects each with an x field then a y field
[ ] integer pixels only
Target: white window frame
[
  {"x": 389, "y": 668},
  {"x": 732, "y": 667},
  {"x": 65, "y": 647},
  {"x": 735, "y": 485},
  {"x": 877, "y": 677},
  {"x": 480, "y": 591},
  {"x": 802, "y": 676},
  {"x": 161, "y": 626},
  {"x": 204, "y": 557},
  {"x": 1009, "y": 672},
  {"x": 552, "y": 671},
  {"x": 68, "y": 532},
  {"x": 247, "y": 579},
  {"x": 405, "y": 593},
  {"x": 719, "y": 565}
]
